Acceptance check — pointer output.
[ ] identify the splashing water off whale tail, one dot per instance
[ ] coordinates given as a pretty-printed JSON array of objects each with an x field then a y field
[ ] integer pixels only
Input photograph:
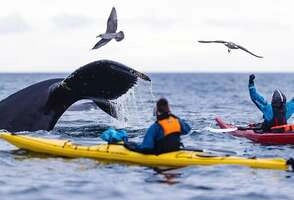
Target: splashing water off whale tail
[{"x": 131, "y": 107}]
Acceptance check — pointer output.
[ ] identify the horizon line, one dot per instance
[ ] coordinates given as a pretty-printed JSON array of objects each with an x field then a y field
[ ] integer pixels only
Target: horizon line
[{"x": 151, "y": 72}]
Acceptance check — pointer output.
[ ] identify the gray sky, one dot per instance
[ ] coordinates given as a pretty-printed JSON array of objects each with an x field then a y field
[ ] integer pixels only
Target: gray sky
[{"x": 56, "y": 35}]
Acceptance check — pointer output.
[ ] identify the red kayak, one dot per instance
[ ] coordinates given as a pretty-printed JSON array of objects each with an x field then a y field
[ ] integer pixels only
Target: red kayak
[{"x": 263, "y": 138}]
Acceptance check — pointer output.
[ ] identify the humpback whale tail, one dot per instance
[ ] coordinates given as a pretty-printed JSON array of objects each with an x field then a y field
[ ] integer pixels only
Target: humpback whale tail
[{"x": 39, "y": 106}]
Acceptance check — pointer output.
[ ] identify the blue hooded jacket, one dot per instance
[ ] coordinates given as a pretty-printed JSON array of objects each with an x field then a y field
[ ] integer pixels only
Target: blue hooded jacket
[{"x": 265, "y": 107}]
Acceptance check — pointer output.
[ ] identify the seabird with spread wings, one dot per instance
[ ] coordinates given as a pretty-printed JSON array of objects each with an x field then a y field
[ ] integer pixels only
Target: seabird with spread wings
[
  {"x": 230, "y": 46},
  {"x": 110, "y": 31}
]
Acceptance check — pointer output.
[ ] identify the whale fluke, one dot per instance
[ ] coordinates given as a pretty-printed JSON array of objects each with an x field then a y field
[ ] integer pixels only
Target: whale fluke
[{"x": 39, "y": 106}]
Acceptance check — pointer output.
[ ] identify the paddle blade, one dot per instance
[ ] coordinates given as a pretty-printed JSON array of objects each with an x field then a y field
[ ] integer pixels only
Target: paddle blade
[{"x": 222, "y": 130}]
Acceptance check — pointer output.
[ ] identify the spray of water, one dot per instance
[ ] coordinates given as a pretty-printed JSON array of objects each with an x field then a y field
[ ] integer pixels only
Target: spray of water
[
  {"x": 133, "y": 108},
  {"x": 151, "y": 92}
]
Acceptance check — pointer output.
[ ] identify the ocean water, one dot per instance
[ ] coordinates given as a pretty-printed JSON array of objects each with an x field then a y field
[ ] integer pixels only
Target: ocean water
[{"x": 197, "y": 98}]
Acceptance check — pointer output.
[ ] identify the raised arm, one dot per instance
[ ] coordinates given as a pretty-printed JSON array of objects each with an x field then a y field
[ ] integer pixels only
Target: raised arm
[
  {"x": 257, "y": 98},
  {"x": 290, "y": 108}
]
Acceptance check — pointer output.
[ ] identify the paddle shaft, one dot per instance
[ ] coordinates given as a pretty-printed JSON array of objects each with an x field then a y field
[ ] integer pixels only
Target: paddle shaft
[
  {"x": 248, "y": 128},
  {"x": 232, "y": 129},
  {"x": 198, "y": 150},
  {"x": 209, "y": 150}
]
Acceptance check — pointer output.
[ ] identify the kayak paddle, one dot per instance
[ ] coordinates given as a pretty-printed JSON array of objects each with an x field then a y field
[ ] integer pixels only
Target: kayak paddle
[
  {"x": 226, "y": 130},
  {"x": 222, "y": 130}
]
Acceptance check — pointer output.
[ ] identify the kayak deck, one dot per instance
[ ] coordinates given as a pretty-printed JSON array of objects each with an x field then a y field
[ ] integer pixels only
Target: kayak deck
[
  {"x": 263, "y": 138},
  {"x": 118, "y": 153}
]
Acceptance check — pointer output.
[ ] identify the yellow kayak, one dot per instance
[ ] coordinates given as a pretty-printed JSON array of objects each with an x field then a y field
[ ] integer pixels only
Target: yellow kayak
[{"x": 118, "y": 153}]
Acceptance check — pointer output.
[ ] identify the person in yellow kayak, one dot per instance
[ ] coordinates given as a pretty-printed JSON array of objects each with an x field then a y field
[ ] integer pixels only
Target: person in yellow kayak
[
  {"x": 276, "y": 113},
  {"x": 164, "y": 135}
]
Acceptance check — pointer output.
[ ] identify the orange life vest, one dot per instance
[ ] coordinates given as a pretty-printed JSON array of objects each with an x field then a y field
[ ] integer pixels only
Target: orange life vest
[
  {"x": 170, "y": 125},
  {"x": 283, "y": 128}
]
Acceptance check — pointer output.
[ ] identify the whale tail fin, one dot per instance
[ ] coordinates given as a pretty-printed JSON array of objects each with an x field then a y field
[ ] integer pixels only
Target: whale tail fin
[
  {"x": 39, "y": 106},
  {"x": 107, "y": 107}
]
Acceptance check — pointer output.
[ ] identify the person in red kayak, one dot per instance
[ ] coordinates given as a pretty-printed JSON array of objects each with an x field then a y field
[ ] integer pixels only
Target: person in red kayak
[
  {"x": 163, "y": 135},
  {"x": 276, "y": 113}
]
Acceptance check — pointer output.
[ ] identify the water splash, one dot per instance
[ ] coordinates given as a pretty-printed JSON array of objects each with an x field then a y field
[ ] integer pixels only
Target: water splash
[
  {"x": 151, "y": 92},
  {"x": 131, "y": 107}
]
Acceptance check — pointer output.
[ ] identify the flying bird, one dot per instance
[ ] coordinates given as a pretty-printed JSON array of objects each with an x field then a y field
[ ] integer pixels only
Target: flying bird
[
  {"x": 110, "y": 31},
  {"x": 230, "y": 46}
]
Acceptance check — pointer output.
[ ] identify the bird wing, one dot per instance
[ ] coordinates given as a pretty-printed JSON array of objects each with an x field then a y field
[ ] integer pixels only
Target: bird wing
[
  {"x": 101, "y": 43},
  {"x": 244, "y": 49},
  {"x": 213, "y": 41},
  {"x": 112, "y": 22}
]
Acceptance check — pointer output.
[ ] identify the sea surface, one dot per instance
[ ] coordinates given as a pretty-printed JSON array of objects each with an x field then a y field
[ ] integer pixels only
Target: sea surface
[{"x": 197, "y": 98}]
